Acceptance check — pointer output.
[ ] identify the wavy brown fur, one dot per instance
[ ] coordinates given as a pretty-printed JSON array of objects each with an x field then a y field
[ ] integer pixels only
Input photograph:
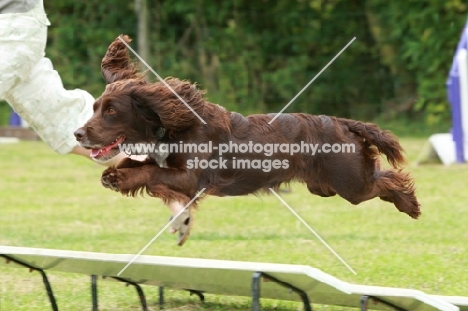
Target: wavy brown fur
[
  {"x": 142, "y": 111},
  {"x": 117, "y": 64}
]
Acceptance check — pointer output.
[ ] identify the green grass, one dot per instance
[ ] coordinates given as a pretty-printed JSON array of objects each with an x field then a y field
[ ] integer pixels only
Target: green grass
[
  {"x": 5, "y": 113},
  {"x": 53, "y": 201}
]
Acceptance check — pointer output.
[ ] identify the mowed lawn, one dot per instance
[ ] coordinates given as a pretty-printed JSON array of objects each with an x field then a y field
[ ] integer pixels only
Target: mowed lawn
[{"x": 53, "y": 201}]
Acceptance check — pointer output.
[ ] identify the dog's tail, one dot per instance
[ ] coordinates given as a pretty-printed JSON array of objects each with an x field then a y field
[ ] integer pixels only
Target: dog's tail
[{"x": 385, "y": 142}]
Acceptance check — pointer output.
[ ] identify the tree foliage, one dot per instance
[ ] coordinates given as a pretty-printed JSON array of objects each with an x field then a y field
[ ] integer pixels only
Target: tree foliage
[{"x": 255, "y": 56}]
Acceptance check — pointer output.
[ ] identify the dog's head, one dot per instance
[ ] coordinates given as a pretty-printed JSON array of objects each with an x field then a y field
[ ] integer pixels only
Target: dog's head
[{"x": 132, "y": 111}]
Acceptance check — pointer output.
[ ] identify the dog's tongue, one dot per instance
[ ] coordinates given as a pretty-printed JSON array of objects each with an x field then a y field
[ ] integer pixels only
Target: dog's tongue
[
  {"x": 94, "y": 153},
  {"x": 100, "y": 152}
]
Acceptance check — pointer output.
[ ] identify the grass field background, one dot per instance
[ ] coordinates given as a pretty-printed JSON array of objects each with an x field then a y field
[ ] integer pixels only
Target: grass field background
[{"x": 53, "y": 201}]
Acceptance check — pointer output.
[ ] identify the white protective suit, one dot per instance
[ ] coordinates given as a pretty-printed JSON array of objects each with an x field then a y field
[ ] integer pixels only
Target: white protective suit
[{"x": 28, "y": 81}]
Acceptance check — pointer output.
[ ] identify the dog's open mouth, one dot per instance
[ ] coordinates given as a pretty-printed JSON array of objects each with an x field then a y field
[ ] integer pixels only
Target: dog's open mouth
[{"x": 103, "y": 151}]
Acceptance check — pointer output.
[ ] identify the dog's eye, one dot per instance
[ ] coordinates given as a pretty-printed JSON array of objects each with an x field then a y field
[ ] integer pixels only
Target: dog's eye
[{"x": 111, "y": 110}]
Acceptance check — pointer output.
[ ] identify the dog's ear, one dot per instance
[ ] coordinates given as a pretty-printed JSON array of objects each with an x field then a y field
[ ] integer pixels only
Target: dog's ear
[
  {"x": 148, "y": 120},
  {"x": 158, "y": 102},
  {"x": 116, "y": 64}
]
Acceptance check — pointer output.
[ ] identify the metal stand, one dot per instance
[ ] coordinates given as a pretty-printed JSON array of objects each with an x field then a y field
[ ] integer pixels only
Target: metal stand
[
  {"x": 94, "y": 296},
  {"x": 140, "y": 292},
  {"x": 161, "y": 297},
  {"x": 366, "y": 299},
  {"x": 257, "y": 276},
  {"x": 191, "y": 291},
  {"x": 256, "y": 291},
  {"x": 198, "y": 293},
  {"x": 50, "y": 293}
]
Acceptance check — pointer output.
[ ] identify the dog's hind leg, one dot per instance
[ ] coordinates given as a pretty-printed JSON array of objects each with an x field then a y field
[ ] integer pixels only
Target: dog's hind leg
[
  {"x": 357, "y": 185},
  {"x": 398, "y": 187},
  {"x": 391, "y": 186}
]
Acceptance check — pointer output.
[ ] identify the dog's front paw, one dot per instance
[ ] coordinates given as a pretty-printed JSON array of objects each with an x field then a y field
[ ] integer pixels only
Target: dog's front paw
[{"x": 109, "y": 179}]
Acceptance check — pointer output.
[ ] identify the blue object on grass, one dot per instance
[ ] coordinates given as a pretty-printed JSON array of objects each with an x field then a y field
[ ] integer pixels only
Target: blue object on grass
[
  {"x": 454, "y": 97},
  {"x": 15, "y": 119}
]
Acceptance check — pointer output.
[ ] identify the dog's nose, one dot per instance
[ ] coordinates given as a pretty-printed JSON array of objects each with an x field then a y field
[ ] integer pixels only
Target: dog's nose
[{"x": 80, "y": 133}]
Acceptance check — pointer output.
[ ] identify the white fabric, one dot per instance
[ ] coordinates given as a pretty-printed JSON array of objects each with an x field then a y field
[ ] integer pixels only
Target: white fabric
[
  {"x": 31, "y": 86},
  {"x": 23, "y": 38},
  {"x": 17, "y": 6}
]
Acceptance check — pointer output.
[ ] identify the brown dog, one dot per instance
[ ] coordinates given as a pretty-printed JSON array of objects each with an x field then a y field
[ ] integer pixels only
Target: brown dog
[{"x": 133, "y": 111}]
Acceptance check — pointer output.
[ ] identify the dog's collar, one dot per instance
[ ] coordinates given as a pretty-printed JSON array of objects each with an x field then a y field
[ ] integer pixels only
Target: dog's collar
[{"x": 160, "y": 132}]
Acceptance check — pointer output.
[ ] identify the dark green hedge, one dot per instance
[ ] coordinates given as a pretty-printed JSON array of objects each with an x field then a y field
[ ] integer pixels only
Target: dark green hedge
[{"x": 254, "y": 56}]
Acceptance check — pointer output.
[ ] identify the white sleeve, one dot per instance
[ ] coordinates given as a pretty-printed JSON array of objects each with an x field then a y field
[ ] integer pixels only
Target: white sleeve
[{"x": 52, "y": 111}]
